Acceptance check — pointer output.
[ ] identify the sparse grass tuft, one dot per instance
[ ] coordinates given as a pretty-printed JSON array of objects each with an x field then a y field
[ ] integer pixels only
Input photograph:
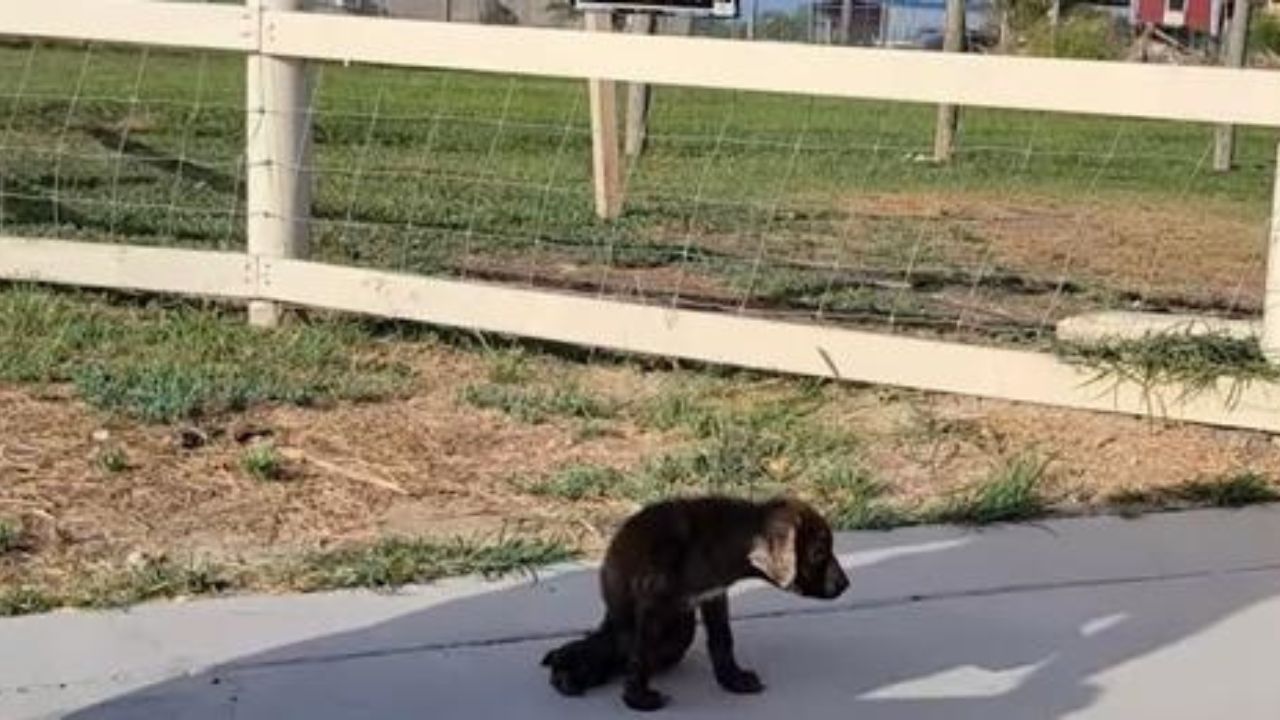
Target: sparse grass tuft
[
  {"x": 1011, "y": 493},
  {"x": 112, "y": 460},
  {"x": 167, "y": 363},
  {"x": 263, "y": 462},
  {"x": 154, "y": 579},
  {"x": 1231, "y": 491},
  {"x": 1195, "y": 362},
  {"x": 855, "y": 501},
  {"x": 538, "y": 405},
  {"x": 11, "y": 535},
  {"x": 580, "y": 482},
  {"x": 386, "y": 564},
  {"x": 395, "y": 562},
  {"x": 509, "y": 366},
  {"x": 25, "y": 601},
  {"x": 737, "y": 448}
]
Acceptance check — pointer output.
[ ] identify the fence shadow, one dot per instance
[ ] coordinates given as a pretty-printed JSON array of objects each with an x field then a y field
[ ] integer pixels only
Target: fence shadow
[{"x": 1021, "y": 653}]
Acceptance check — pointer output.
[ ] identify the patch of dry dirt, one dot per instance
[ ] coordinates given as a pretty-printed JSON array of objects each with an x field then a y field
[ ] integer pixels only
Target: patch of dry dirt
[
  {"x": 1206, "y": 252},
  {"x": 1005, "y": 266},
  {"x": 429, "y": 465}
]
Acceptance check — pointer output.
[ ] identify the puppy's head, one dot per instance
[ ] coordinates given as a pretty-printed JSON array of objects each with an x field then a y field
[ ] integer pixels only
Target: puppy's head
[{"x": 795, "y": 552}]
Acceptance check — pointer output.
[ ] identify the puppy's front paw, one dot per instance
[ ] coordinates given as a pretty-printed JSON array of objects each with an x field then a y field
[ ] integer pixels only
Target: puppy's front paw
[
  {"x": 741, "y": 682},
  {"x": 643, "y": 699}
]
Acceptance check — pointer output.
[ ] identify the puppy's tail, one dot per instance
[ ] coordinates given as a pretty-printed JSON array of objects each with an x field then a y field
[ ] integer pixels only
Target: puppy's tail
[{"x": 585, "y": 663}]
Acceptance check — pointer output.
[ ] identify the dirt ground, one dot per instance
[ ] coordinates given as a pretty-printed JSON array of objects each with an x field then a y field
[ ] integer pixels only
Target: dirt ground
[
  {"x": 1202, "y": 252},
  {"x": 431, "y": 465},
  {"x": 1000, "y": 266}
]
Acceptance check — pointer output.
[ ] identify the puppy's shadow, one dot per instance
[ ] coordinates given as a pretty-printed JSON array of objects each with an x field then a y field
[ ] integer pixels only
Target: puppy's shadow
[{"x": 1018, "y": 652}]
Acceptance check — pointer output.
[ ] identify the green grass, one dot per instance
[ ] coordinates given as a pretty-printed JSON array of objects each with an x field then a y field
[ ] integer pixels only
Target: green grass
[
  {"x": 538, "y": 404},
  {"x": 162, "y": 363},
  {"x": 112, "y": 460},
  {"x": 1012, "y": 492},
  {"x": 854, "y": 501},
  {"x": 731, "y": 445},
  {"x": 11, "y": 535},
  {"x": 394, "y": 562},
  {"x": 263, "y": 462},
  {"x": 1192, "y": 363},
  {"x": 385, "y": 564},
  {"x": 150, "y": 579},
  {"x": 1230, "y": 491},
  {"x": 420, "y": 167},
  {"x": 25, "y": 601},
  {"x": 154, "y": 579},
  {"x": 510, "y": 366},
  {"x": 580, "y": 482}
]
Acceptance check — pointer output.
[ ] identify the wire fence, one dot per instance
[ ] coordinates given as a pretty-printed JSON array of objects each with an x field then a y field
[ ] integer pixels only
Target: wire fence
[{"x": 824, "y": 210}]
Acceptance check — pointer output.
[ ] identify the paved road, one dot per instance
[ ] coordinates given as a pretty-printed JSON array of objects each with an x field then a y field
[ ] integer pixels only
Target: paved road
[{"x": 1170, "y": 617}]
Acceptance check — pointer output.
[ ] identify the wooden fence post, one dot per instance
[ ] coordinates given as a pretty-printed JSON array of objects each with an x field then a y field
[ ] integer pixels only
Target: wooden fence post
[
  {"x": 603, "y": 98},
  {"x": 1224, "y": 136},
  {"x": 277, "y": 158},
  {"x": 944, "y": 133},
  {"x": 639, "y": 95},
  {"x": 1271, "y": 290}
]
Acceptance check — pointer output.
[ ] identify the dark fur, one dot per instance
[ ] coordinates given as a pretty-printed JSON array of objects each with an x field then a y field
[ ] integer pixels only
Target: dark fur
[{"x": 680, "y": 555}]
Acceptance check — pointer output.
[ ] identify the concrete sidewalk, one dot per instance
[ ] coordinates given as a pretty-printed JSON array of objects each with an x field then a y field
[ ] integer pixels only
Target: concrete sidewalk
[{"x": 1172, "y": 616}]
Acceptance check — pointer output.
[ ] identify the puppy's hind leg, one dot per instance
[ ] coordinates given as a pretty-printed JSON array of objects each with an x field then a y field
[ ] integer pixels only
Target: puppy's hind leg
[
  {"x": 583, "y": 664},
  {"x": 643, "y": 643}
]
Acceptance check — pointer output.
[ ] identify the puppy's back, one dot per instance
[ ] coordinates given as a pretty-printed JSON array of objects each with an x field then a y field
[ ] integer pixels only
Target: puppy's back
[{"x": 691, "y": 543}]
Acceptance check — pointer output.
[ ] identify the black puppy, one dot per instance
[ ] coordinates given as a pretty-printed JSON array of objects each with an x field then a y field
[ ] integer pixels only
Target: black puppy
[{"x": 678, "y": 555}]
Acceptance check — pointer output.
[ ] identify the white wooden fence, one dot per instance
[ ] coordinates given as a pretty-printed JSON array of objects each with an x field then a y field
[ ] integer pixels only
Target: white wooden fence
[{"x": 274, "y": 269}]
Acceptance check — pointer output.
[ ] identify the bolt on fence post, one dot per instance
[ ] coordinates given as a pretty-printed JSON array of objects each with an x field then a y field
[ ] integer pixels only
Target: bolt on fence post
[{"x": 278, "y": 154}]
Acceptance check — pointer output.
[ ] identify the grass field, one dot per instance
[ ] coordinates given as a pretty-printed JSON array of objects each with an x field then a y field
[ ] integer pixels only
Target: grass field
[
  {"x": 153, "y": 449},
  {"x": 156, "y": 448},
  {"x": 760, "y": 202}
]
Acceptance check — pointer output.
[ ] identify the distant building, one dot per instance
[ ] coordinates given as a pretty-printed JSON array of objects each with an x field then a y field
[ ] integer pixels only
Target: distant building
[
  {"x": 910, "y": 23},
  {"x": 498, "y": 12},
  {"x": 865, "y": 20},
  {"x": 921, "y": 22},
  {"x": 1204, "y": 17}
]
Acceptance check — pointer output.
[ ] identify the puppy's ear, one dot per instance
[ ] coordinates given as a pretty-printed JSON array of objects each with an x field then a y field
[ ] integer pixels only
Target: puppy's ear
[{"x": 774, "y": 552}]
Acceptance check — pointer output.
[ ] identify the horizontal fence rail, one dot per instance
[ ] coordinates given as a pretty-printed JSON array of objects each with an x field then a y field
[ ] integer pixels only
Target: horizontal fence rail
[
  {"x": 1166, "y": 92},
  {"x": 1201, "y": 94},
  {"x": 184, "y": 25},
  {"x": 758, "y": 344}
]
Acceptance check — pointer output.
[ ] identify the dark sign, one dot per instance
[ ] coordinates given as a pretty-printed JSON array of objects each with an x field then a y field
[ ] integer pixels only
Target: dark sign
[{"x": 698, "y": 8}]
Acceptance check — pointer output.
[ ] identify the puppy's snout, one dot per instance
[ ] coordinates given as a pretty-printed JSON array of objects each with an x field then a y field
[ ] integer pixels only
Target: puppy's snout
[{"x": 835, "y": 582}]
